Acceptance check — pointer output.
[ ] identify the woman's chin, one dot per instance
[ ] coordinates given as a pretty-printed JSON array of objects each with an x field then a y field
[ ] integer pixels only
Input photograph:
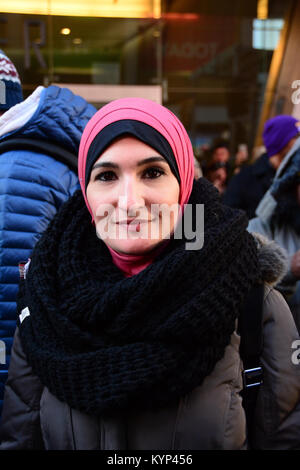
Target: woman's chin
[{"x": 132, "y": 247}]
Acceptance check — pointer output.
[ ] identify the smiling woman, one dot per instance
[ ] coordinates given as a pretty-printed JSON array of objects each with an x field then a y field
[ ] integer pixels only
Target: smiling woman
[
  {"x": 137, "y": 171},
  {"x": 128, "y": 341},
  {"x": 134, "y": 181}
]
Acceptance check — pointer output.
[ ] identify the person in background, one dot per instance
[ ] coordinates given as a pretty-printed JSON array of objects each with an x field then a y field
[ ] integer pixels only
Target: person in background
[
  {"x": 127, "y": 334},
  {"x": 246, "y": 189},
  {"x": 39, "y": 140},
  {"x": 197, "y": 169},
  {"x": 215, "y": 168},
  {"x": 240, "y": 159},
  {"x": 279, "y": 219},
  {"x": 257, "y": 152}
]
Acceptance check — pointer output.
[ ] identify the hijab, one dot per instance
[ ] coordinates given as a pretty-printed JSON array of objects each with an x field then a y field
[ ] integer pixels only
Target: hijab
[{"x": 154, "y": 125}]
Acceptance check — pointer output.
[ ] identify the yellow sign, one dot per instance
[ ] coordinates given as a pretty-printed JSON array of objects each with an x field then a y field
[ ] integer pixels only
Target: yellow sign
[
  {"x": 91, "y": 8},
  {"x": 262, "y": 9}
]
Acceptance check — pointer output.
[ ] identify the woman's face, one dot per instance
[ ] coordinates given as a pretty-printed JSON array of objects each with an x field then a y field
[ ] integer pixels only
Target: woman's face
[{"x": 133, "y": 196}]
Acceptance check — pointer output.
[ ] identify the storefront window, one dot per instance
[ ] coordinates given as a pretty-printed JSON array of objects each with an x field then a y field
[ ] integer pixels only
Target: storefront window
[
  {"x": 266, "y": 33},
  {"x": 217, "y": 56},
  {"x": 210, "y": 58}
]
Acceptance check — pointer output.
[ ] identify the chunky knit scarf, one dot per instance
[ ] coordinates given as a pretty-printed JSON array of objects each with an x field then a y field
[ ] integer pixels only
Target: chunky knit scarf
[{"x": 104, "y": 343}]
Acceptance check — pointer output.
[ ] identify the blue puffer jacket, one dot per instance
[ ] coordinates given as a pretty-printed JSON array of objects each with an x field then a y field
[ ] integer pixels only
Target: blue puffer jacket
[{"x": 33, "y": 186}]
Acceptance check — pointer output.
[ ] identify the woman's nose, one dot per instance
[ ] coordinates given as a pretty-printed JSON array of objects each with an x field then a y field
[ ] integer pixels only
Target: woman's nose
[{"x": 131, "y": 195}]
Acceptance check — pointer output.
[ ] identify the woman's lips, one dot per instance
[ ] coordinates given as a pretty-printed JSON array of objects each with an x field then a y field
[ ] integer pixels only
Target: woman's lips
[
  {"x": 132, "y": 222},
  {"x": 133, "y": 225}
]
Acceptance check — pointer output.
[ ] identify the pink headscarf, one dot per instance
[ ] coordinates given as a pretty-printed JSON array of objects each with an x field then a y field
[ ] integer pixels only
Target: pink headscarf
[{"x": 169, "y": 126}]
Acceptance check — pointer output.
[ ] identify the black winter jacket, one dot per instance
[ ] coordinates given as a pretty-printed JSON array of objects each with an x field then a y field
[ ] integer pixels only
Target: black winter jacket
[{"x": 246, "y": 189}]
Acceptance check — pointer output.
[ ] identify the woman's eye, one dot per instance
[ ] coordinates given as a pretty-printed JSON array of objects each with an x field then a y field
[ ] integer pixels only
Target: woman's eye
[
  {"x": 105, "y": 176},
  {"x": 153, "y": 173}
]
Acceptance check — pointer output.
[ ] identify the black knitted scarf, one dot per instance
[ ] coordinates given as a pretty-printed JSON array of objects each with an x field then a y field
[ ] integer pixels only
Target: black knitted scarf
[{"x": 104, "y": 343}]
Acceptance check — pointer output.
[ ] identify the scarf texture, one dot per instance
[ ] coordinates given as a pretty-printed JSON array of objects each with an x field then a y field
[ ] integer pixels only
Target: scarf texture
[{"x": 104, "y": 343}]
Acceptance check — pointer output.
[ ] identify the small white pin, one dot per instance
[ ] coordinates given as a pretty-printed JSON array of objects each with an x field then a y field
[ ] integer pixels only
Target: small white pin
[{"x": 24, "y": 313}]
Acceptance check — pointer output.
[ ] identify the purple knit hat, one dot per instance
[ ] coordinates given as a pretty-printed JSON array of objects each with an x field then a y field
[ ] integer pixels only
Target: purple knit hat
[{"x": 278, "y": 131}]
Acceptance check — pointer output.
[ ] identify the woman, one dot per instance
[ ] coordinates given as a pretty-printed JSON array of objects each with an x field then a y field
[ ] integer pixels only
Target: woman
[{"x": 127, "y": 336}]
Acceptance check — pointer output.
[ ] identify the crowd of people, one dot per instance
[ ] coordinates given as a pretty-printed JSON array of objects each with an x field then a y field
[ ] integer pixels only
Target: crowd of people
[
  {"x": 122, "y": 333},
  {"x": 273, "y": 176}
]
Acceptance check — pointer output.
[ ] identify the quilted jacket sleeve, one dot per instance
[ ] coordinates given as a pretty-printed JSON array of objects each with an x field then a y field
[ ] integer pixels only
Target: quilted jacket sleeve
[
  {"x": 33, "y": 187},
  {"x": 278, "y": 406},
  {"x": 20, "y": 425}
]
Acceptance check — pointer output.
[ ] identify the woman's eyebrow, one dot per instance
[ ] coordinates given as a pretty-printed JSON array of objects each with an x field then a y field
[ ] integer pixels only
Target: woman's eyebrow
[
  {"x": 151, "y": 160},
  {"x": 105, "y": 164},
  {"x": 141, "y": 162}
]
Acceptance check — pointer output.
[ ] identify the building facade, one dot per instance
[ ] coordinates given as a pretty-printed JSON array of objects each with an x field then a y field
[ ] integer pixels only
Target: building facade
[{"x": 222, "y": 67}]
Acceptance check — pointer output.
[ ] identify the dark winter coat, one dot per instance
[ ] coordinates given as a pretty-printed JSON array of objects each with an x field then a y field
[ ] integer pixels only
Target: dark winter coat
[
  {"x": 210, "y": 417},
  {"x": 246, "y": 189}
]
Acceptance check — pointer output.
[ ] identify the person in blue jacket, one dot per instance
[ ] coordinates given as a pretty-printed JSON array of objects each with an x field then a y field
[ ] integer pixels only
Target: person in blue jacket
[
  {"x": 39, "y": 140},
  {"x": 246, "y": 189}
]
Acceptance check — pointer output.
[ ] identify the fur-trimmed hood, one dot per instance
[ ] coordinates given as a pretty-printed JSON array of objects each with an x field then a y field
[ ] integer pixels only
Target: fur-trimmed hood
[{"x": 273, "y": 259}]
